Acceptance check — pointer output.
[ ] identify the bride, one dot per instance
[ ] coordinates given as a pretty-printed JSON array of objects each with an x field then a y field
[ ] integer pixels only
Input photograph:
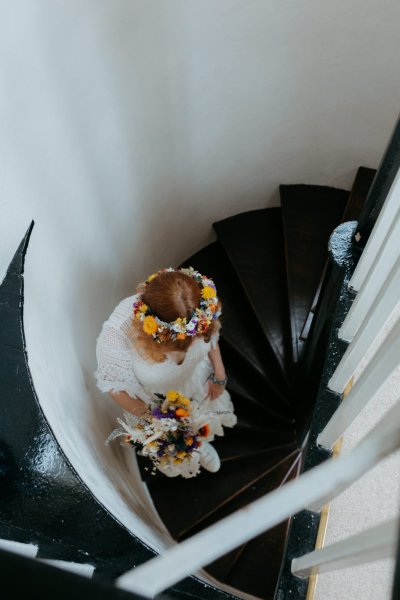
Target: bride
[{"x": 166, "y": 337}]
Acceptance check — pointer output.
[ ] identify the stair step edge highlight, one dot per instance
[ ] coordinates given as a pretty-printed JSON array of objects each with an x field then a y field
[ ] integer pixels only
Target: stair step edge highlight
[
  {"x": 28, "y": 550},
  {"x": 83, "y": 569}
]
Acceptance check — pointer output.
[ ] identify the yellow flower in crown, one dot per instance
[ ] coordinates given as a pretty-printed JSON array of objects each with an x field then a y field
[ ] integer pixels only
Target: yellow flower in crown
[
  {"x": 150, "y": 325},
  {"x": 152, "y": 276},
  {"x": 208, "y": 292},
  {"x": 143, "y": 308}
]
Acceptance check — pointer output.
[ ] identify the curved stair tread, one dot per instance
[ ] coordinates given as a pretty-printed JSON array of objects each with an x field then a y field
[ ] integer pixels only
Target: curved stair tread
[
  {"x": 239, "y": 325},
  {"x": 233, "y": 359},
  {"x": 273, "y": 477},
  {"x": 227, "y": 570},
  {"x": 221, "y": 568},
  {"x": 183, "y": 502},
  {"x": 309, "y": 214},
  {"x": 357, "y": 198},
  {"x": 359, "y": 192},
  {"x": 243, "y": 380},
  {"x": 262, "y": 558},
  {"x": 245, "y": 439},
  {"x": 261, "y": 555},
  {"x": 261, "y": 416},
  {"x": 254, "y": 243}
]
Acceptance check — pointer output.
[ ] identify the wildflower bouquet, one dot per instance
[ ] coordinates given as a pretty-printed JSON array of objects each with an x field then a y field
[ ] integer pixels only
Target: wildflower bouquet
[{"x": 170, "y": 434}]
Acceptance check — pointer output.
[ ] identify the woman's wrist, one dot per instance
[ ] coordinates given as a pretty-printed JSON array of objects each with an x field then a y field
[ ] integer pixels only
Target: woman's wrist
[
  {"x": 218, "y": 378},
  {"x": 139, "y": 408}
]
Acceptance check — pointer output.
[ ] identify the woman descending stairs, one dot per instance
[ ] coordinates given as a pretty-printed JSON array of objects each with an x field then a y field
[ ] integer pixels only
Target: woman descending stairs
[{"x": 269, "y": 267}]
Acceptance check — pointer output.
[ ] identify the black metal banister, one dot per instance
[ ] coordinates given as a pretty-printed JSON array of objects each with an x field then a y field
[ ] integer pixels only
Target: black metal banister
[{"x": 383, "y": 180}]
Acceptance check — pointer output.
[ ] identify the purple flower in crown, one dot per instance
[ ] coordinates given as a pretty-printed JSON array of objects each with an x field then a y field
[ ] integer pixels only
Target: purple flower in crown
[{"x": 191, "y": 328}]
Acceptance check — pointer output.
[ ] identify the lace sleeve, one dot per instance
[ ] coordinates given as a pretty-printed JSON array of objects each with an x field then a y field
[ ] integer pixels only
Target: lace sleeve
[{"x": 115, "y": 357}]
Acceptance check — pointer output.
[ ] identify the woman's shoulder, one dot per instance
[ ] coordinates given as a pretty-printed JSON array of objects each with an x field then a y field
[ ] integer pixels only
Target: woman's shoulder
[{"x": 122, "y": 312}]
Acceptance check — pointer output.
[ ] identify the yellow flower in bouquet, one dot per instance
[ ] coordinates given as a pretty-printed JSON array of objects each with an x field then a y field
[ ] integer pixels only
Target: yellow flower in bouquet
[{"x": 172, "y": 396}]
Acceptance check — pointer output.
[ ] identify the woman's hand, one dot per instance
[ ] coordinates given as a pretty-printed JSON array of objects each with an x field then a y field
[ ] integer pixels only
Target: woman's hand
[{"x": 214, "y": 390}]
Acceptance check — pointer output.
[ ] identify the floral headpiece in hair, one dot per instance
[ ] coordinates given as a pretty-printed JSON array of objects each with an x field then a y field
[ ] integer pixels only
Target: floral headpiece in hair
[{"x": 200, "y": 320}]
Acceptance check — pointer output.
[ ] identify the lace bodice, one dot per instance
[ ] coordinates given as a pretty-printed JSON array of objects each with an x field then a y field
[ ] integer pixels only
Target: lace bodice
[{"x": 120, "y": 367}]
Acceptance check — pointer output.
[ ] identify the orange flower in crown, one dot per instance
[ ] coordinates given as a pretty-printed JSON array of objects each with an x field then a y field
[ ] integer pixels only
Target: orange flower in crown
[{"x": 199, "y": 322}]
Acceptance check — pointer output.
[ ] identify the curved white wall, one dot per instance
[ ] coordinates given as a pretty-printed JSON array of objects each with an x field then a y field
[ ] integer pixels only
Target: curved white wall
[{"x": 128, "y": 127}]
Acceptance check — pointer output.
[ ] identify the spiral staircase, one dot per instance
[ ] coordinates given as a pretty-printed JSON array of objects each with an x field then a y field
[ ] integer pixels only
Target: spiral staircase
[{"x": 270, "y": 267}]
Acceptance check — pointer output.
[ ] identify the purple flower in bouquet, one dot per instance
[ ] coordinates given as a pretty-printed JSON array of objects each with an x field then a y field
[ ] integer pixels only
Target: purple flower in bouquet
[{"x": 159, "y": 414}]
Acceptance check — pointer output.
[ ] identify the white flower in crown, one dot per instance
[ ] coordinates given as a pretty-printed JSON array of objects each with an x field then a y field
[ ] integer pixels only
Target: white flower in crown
[{"x": 179, "y": 326}]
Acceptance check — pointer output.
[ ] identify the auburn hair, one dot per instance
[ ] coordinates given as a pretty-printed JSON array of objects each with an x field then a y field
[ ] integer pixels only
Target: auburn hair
[{"x": 170, "y": 295}]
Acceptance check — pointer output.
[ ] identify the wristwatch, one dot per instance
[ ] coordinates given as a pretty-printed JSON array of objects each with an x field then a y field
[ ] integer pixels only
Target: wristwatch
[{"x": 218, "y": 381}]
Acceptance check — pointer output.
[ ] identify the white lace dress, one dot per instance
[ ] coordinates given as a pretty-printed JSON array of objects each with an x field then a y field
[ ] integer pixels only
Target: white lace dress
[{"x": 120, "y": 367}]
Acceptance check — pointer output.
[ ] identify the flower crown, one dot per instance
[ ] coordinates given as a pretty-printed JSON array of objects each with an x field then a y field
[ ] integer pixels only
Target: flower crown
[{"x": 200, "y": 320}]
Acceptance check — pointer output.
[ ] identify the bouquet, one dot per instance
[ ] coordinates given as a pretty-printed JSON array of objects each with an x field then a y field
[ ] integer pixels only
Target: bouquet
[{"x": 170, "y": 434}]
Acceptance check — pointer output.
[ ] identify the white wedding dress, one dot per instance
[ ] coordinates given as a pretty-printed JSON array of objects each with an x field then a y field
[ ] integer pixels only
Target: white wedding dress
[{"x": 120, "y": 367}]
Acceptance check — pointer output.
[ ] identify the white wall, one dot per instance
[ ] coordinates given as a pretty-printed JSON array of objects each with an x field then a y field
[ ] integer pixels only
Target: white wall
[{"x": 129, "y": 126}]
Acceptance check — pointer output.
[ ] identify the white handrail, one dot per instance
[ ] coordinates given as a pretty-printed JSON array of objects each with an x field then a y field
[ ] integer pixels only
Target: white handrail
[
  {"x": 313, "y": 488},
  {"x": 378, "y": 235},
  {"x": 381, "y": 366},
  {"x": 380, "y": 312},
  {"x": 375, "y": 280},
  {"x": 372, "y": 544}
]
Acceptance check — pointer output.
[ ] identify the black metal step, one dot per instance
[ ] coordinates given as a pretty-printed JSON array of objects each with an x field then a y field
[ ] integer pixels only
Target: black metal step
[
  {"x": 354, "y": 206},
  {"x": 202, "y": 496},
  {"x": 240, "y": 329},
  {"x": 253, "y": 242},
  {"x": 254, "y": 567},
  {"x": 309, "y": 213},
  {"x": 243, "y": 380},
  {"x": 237, "y": 443},
  {"x": 262, "y": 483},
  {"x": 263, "y": 555},
  {"x": 359, "y": 192}
]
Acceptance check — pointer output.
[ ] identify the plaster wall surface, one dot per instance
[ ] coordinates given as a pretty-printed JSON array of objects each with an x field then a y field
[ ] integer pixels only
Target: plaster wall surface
[{"x": 127, "y": 128}]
